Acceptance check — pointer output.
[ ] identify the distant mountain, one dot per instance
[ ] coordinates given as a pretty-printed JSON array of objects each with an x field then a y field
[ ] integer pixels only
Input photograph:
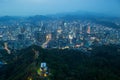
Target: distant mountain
[
  {"x": 93, "y": 17},
  {"x": 8, "y": 18},
  {"x": 86, "y": 14},
  {"x": 39, "y": 18}
]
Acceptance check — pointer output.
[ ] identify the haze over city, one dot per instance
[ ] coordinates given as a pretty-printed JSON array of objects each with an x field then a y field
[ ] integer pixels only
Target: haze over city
[
  {"x": 59, "y": 39},
  {"x": 43, "y": 7}
]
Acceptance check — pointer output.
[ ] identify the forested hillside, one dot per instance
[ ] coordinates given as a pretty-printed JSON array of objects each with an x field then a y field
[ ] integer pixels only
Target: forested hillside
[{"x": 102, "y": 63}]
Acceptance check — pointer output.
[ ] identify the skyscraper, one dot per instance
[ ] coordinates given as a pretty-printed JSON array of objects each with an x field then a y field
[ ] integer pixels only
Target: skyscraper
[{"x": 88, "y": 30}]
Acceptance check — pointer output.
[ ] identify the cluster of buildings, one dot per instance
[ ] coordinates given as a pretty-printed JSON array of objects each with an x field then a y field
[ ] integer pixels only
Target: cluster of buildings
[{"x": 62, "y": 34}]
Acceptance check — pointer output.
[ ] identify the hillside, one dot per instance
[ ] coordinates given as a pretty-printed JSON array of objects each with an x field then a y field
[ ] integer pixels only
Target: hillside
[{"x": 102, "y": 63}]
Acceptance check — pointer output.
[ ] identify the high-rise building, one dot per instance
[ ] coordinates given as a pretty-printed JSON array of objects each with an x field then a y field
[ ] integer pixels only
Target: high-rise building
[
  {"x": 21, "y": 36},
  {"x": 48, "y": 37},
  {"x": 88, "y": 30},
  {"x": 40, "y": 36}
]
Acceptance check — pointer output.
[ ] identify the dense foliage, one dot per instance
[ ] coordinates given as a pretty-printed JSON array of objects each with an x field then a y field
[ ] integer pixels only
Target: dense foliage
[{"x": 102, "y": 63}]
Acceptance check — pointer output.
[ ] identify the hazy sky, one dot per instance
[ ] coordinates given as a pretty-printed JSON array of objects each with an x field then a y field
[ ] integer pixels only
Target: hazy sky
[{"x": 40, "y": 7}]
